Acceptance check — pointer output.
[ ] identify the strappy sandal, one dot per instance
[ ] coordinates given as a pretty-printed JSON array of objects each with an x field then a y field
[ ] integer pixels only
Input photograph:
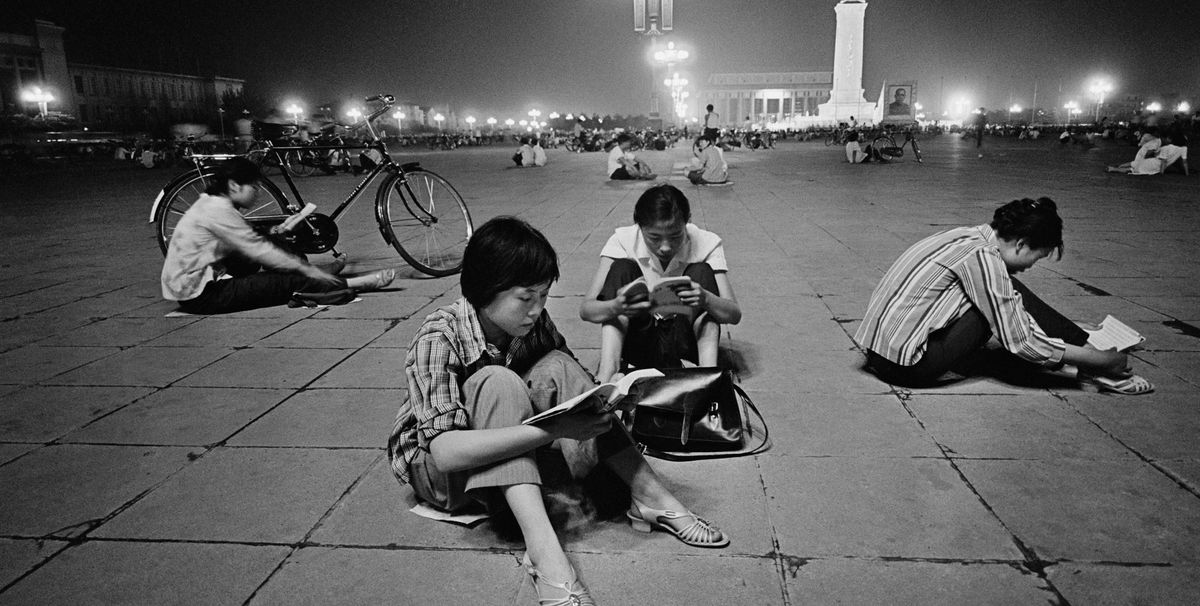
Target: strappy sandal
[
  {"x": 570, "y": 593},
  {"x": 1132, "y": 386},
  {"x": 700, "y": 533}
]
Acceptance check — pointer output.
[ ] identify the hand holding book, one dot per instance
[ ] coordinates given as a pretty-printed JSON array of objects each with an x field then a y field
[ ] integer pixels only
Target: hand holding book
[{"x": 600, "y": 399}]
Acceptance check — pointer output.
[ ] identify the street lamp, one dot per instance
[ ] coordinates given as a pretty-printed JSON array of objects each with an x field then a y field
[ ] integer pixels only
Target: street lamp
[
  {"x": 354, "y": 113},
  {"x": 399, "y": 116},
  {"x": 295, "y": 111},
  {"x": 491, "y": 124},
  {"x": 1183, "y": 107},
  {"x": 1015, "y": 109},
  {"x": 509, "y": 122},
  {"x": 533, "y": 113},
  {"x": 35, "y": 94},
  {"x": 471, "y": 123},
  {"x": 438, "y": 118},
  {"x": 1154, "y": 107},
  {"x": 1099, "y": 88},
  {"x": 1072, "y": 108}
]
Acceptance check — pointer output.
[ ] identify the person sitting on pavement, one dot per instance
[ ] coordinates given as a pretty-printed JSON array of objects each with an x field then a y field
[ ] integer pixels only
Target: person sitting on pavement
[
  {"x": 214, "y": 256},
  {"x": 480, "y": 366},
  {"x": 524, "y": 156},
  {"x": 709, "y": 167},
  {"x": 661, "y": 243},
  {"x": 623, "y": 163},
  {"x": 539, "y": 153},
  {"x": 1163, "y": 158},
  {"x": 947, "y": 295},
  {"x": 857, "y": 153}
]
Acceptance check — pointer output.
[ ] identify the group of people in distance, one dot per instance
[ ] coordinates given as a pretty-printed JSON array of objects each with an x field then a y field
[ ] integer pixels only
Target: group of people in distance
[
  {"x": 531, "y": 153},
  {"x": 478, "y": 367},
  {"x": 1153, "y": 157}
]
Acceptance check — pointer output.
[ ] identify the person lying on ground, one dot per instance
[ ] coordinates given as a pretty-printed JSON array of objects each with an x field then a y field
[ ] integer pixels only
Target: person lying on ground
[
  {"x": 215, "y": 256},
  {"x": 476, "y": 369},
  {"x": 661, "y": 243},
  {"x": 1174, "y": 153},
  {"x": 948, "y": 294}
]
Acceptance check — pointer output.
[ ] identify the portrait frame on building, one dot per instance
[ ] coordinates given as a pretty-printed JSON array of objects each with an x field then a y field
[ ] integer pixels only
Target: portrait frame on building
[{"x": 899, "y": 102}]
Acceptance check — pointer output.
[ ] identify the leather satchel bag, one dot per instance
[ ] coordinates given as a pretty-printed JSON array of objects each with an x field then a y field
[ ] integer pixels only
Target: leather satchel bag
[{"x": 691, "y": 413}]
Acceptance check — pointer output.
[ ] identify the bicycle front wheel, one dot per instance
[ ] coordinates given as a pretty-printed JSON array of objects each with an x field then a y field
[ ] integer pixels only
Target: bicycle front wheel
[
  {"x": 424, "y": 218},
  {"x": 268, "y": 202}
]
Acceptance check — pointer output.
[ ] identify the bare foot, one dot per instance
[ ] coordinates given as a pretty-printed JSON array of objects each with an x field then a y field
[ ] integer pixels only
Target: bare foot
[{"x": 375, "y": 281}]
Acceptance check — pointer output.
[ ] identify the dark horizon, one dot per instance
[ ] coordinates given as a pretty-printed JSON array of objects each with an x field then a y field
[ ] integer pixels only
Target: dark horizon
[{"x": 505, "y": 56}]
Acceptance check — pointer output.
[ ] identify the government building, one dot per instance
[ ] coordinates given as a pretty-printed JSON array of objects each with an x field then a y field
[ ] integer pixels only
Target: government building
[{"x": 767, "y": 99}]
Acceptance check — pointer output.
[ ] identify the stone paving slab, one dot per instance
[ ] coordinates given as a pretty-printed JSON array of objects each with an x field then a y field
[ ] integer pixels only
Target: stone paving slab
[
  {"x": 106, "y": 572},
  {"x": 181, "y": 416},
  {"x": 41, "y": 414},
  {"x": 148, "y": 366},
  {"x": 221, "y": 331},
  {"x": 269, "y": 495},
  {"x": 880, "y": 507},
  {"x": 326, "y": 418},
  {"x": 1105, "y": 511},
  {"x": 20, "y": 555},
  {"x": 840, "y": 581},
  {"x": 31, "y": 364},
  {"x": 1122, "y": 585},
  {"x": 67, "y": 489},
  {"x": 266, "y": 367}
]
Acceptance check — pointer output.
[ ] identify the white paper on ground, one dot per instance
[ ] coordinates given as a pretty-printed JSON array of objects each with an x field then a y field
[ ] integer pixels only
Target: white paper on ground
[
  {"x": 433, "y": 513},
  {"x": 1114, "y": 333}
]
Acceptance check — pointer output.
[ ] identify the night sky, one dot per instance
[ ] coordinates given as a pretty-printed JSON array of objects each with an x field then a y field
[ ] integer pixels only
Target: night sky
[{"x": 502, "y": 57}]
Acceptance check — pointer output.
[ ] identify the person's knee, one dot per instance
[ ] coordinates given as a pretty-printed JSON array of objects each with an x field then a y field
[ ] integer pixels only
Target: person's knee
[
  {"x": 499, "y": 382},
  {"x": 702, "y": 273},
  {"x": 622, "y": 272}
]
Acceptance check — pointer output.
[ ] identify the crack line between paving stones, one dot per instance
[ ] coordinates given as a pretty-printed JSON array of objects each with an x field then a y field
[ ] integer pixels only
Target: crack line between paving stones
[{"x": 1032, "y": 562}]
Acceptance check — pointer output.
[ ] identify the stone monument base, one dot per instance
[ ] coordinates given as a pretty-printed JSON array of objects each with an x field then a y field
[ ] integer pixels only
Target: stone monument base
[{"x": 863, "y": 111}]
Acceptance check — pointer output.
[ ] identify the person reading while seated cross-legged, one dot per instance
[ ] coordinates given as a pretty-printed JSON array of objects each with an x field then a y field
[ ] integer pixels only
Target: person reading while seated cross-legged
[
  {"x": 476, "y": 369},
  {"x": 623, "y": 163},
  {"x": 661, "y": 243},
  {"x": 708, "y": 167},
  {"x": 214, "y": 257},
  {"x": 949, "y": 294}
]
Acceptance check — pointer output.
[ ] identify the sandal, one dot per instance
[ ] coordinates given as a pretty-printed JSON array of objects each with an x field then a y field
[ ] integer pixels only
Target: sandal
[
  {"x": 1133, "y": 386},
  {"x": 700, "y": 533},
  {"x": 574, "y": 593}
]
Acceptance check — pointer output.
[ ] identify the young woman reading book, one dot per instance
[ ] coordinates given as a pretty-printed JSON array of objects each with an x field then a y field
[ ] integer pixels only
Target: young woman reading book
[
  {"x": 479, "y": 367},
  {"x": 948, "y": 294},
  {"x": 661, "y": 243}
]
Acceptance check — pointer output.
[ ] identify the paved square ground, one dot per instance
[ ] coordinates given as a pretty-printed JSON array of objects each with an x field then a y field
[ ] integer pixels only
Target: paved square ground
[{"x": 240, "y": 459}]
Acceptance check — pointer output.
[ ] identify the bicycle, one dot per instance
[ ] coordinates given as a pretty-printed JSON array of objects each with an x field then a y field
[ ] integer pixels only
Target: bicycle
[
  {"x": 419, "y": 213},
  {"x": 886, "y": 144}
]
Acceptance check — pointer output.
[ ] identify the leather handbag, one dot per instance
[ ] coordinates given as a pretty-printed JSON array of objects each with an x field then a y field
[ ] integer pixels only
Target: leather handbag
[{"x": 694, "y": 413}]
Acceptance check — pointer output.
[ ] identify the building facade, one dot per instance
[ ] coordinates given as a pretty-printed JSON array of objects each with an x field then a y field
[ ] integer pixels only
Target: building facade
[
  {"x": 766, "y": 99},
  {"x": 108, "y": 98}
]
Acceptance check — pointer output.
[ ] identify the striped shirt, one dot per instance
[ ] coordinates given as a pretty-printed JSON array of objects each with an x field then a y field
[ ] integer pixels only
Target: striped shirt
[
  {"x": 448, "y": 348},
  {"x": 938, "y": 280}
]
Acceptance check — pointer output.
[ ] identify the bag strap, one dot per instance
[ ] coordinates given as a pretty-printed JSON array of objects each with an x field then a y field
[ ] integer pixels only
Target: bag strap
[{"x": 761, "y": 447}]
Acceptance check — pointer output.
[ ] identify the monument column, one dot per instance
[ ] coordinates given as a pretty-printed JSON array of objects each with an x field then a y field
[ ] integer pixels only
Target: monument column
[{"x": 846, "y": 98}]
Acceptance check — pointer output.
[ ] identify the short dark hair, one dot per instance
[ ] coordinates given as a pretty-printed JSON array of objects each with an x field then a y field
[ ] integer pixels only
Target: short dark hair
[
  {"x": 705, "y": 137},
  {"x": 503, "y": 253},
  {"x": 623, "y": 137},
  {"x": 662, "y": 203},
  {"x": 239, "y": 169},
  {"x": 1034, "y": 221},
  {"x": 708, "y": 107}
]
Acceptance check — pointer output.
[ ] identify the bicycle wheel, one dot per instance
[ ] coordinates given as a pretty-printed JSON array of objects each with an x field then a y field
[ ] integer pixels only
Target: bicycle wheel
[
  {"x": 885, "y": 145},
  {"x": 299, "y": 163},
  {"x": 268, "y": 202},
  {"x": 424, "y": 218}
]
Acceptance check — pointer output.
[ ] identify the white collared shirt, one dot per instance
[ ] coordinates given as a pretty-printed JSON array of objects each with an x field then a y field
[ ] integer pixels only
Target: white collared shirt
[{"x": 700, "y": 246}]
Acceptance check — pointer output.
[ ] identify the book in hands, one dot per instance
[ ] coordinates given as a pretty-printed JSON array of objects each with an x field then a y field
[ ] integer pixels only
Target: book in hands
[
  {"x": 664, "y": 301},
  {"x": 599, "y": 399},
  {"x": 1114, "y": 334}
]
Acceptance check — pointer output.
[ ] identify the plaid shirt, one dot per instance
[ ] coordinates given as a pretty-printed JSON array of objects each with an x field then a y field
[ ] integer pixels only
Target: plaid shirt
[
  {"x": 448, "y": 348},
  {"x": 937, "y": 281}
]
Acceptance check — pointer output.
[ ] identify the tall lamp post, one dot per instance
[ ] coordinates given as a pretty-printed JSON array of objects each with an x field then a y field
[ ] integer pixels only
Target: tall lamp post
[
  {"x": 491, "y": 122},
  {"x": 534, "y": 113},
  {"x": 1014, "y": 109},
  {"x": 295, "y": 111},
  {"x": 221, "y": 120},
  {"x": 439, "y": 118},
  {"x": 399, "y": 116},
  {"x": 1099, "y": 89},
  {"x": 676, "y": 84},
  {"x": 667, "y": 57}
]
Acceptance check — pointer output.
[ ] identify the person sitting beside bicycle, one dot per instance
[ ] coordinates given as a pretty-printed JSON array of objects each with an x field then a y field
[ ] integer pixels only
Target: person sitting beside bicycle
[
  {"x": 214, "y": 256},
  {"x": 857, "y": 153},
  {"x": 623, "y": 164}
]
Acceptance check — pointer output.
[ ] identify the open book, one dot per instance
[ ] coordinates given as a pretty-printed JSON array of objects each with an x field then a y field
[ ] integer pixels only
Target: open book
[
  {"x": 601, "y": 398},
  {"x": 1114, "y": 334},
  {"x": 663, "y": 300}
]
